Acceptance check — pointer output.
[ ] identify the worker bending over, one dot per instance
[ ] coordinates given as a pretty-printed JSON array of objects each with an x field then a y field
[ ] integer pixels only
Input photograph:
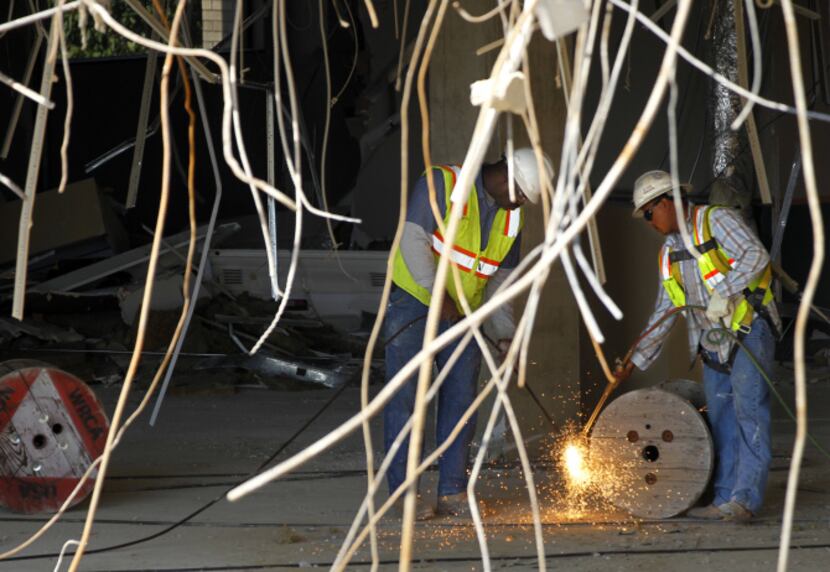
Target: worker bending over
[
  {"x": 731, "y": 280},
  {"x": 486, "y": 249}
]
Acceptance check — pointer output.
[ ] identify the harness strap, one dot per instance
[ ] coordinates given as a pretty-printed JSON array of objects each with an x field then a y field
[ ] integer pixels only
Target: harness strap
[
  {"x": 716, "y": 365},
  {"x": 756, "y": 300},
  {"x": 679, "y": 256},
  {"x": 710, "y": 244}
]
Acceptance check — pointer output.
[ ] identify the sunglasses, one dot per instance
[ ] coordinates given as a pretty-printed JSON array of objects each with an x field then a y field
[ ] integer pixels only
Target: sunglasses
[{"x": 648, "y": 214}]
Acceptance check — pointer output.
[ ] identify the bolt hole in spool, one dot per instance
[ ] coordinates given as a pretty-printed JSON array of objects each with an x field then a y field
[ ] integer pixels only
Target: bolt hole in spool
[
  {"x": 651, "y": 453},
  {"x": 659, "y": 449},
  {"x": 38, "y": 403}
]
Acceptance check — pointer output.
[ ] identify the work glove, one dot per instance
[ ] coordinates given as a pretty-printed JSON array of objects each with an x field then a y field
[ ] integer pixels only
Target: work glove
[{"x": 718, "y": 308}]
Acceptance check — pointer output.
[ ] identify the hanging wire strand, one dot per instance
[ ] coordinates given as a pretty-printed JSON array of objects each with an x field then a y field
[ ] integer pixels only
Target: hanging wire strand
[
  {"x": 706, "y": 69},
  {"x": 163, "y": 368},
  {"x": 677, "y": 201},
  {"x": 262, "y": 216},
  {"x": 570, "y": 212},
  {"x": 13, "y": 187},
  {"x": 327, "y": 123},
  {"x": 70, "y": 102},
  {"x": 810, "y": 287},
  {"x": 402, "y": 48},
  {"x": 26, "y": 91},
  {"x": 335, "y": 246},
  {"x": 498, "y": 10},
  {"x": 343, "y": 23},
  {"x": 146, "y": 298},
  {"x": 757, "y": 63},
  {"x": 37, "y": 17},
  {"x": 348, "y": 80},
  {"x": 382, "y": 305},
  {"x": 10, "y": 14}
]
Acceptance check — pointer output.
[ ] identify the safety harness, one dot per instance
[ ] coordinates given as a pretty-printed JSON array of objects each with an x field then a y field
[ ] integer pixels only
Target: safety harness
[{"x": 714, "y": 264}]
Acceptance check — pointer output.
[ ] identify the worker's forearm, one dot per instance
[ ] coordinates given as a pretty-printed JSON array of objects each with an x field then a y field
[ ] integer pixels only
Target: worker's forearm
[
  {"x": 502, "y": 322},
  {"x": 416, "y": 250},
  {"x": 649, "y": 347}
]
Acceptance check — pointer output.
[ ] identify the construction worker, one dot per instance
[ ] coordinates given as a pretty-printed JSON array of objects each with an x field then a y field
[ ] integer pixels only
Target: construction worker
[
  {"x": 731, "y": 280},
  {"x": 486, "y": 249}
]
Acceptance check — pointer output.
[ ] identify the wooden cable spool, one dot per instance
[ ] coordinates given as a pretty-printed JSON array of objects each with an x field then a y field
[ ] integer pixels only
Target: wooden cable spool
[
  {"x": 52, "y": 427},
  {"x": 656, "y": 447}
]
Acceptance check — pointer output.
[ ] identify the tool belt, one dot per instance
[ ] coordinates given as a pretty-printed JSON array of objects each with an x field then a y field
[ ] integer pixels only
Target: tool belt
[
  {"x": 715, "y": 365},
  {"x": 761, "y": 312},
  {"x": 755, "y": 299}
]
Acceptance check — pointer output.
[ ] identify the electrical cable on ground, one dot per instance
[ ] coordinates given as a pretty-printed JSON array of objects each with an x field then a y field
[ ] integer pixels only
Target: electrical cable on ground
[
  {"x": 219, "y": 497},
  {"x": 210, "y": 503}
]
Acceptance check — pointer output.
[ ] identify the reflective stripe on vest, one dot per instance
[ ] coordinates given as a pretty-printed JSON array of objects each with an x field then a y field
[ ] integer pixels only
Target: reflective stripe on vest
[
  {"x": 712, "y": 276},
  {"x": 461, "y": 257},
  {"x": 665, "y": 263},
  {"x": 669, "y": 274},
  {"x": 454, "y": 171},
  {"x": 512, "y": 224},
  {"x": 486, "y": 267}
]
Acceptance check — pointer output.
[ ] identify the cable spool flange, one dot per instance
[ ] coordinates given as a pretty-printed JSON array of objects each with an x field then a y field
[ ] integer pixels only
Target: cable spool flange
[
  {"x": 52, "y": 427},
  {"x": 660, "y": 450}
]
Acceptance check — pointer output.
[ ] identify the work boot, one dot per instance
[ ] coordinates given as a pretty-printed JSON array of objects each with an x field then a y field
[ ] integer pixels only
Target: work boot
[
  {"x": 454, "y": 505},
  {"x": 735, "y": 512},
  {"x": 709, "y": 512},
  {"x": 424, "y": 509}
]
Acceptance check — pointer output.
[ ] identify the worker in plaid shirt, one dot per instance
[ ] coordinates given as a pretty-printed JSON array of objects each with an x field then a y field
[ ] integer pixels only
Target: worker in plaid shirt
[{"x": 732, "y": 280}]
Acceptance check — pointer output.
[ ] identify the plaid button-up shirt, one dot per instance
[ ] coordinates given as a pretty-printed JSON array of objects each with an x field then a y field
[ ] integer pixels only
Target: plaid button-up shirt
[{"x": 740, "y": 242}]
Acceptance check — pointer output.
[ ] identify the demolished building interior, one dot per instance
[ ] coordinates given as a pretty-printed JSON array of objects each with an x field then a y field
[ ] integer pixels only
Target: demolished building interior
[{"x": 202, "y": 205}]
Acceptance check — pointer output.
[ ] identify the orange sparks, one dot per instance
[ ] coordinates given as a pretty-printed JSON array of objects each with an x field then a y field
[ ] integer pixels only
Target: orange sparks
[{"x": 576, "y": 466}]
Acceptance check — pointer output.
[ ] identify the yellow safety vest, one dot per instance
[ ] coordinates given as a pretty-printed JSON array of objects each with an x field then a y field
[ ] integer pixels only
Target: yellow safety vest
[
  {"x": 476, "y": 265},
  {"x": 714, "y": 264}
]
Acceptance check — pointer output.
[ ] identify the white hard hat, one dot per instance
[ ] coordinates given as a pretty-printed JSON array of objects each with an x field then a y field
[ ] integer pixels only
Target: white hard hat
[
  {"x": 526, "y": 172},
  {"x": 651, "y": 185}
]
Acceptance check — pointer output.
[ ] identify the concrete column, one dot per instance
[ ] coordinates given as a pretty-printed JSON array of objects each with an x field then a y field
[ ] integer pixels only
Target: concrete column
[
  {"x": 453, "y": 68},
  {"x": 553, "y": 370}
]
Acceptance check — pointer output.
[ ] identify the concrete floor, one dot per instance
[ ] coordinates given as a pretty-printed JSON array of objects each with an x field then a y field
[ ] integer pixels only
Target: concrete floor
[{"x": 203, "y": 443}]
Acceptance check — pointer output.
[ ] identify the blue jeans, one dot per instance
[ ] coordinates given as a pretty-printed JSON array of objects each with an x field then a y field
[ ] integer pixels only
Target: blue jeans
[
  {"x": 739, "y": 414},
  {"x": 456, "y": 394}
]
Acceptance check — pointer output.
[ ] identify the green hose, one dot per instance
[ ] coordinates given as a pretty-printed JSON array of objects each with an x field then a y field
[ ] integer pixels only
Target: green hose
[{"x": 716, "y": 337}]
